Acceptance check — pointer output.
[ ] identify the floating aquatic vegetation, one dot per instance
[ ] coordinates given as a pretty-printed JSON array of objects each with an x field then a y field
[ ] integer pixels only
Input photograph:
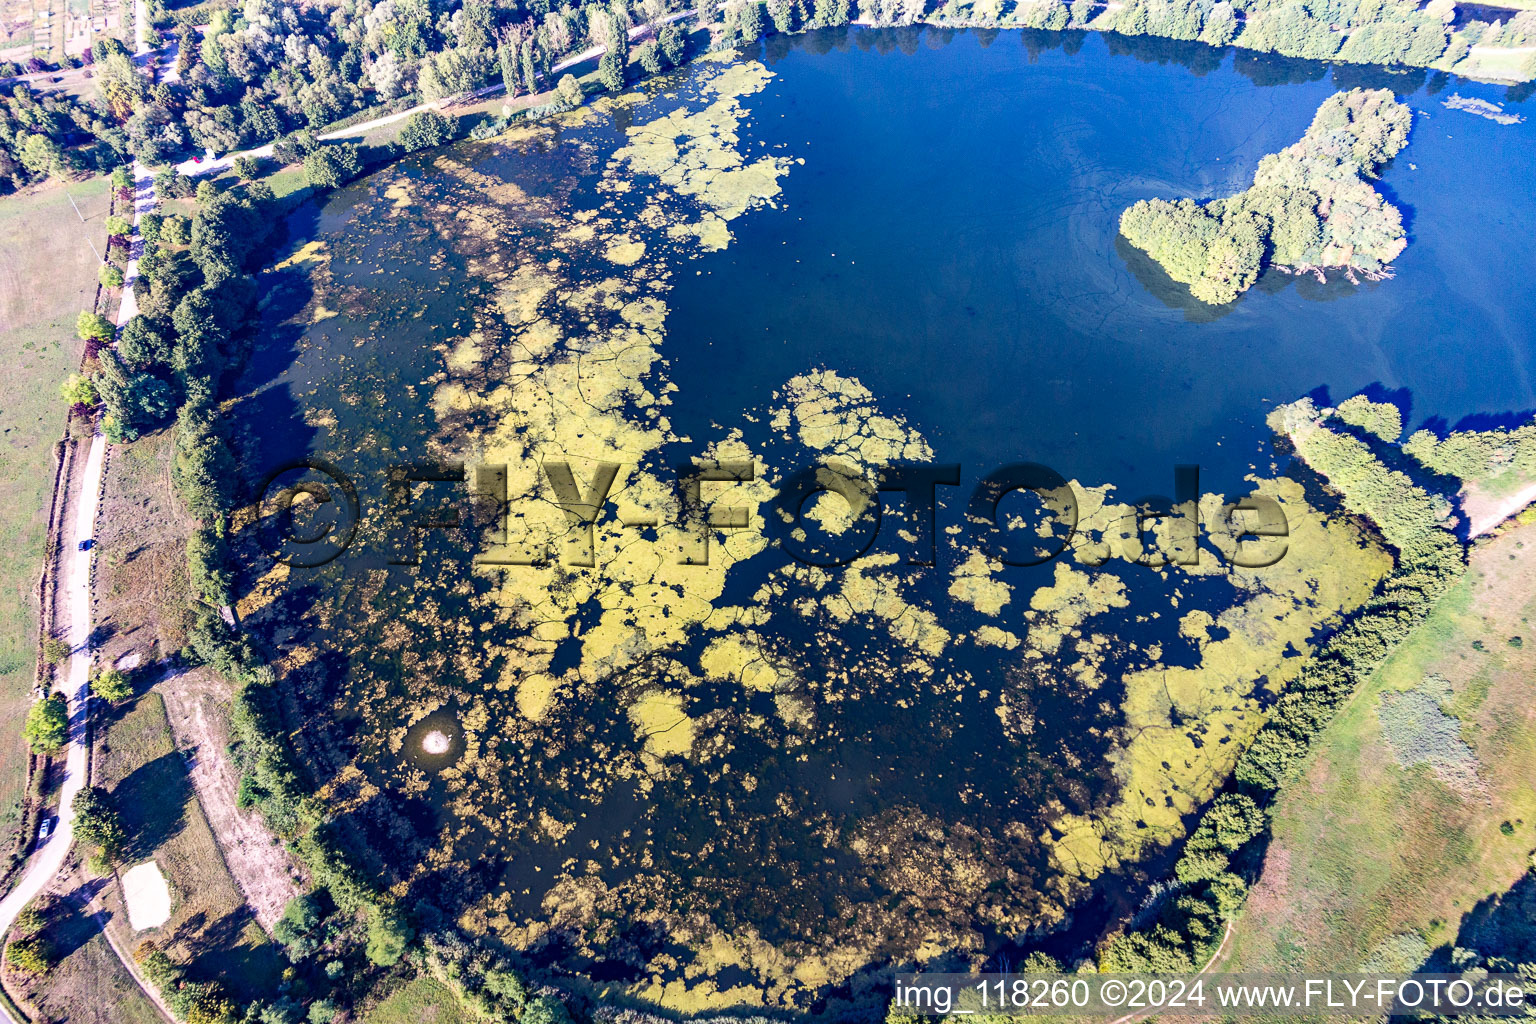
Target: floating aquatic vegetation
[{"x": 729, "y": 778}]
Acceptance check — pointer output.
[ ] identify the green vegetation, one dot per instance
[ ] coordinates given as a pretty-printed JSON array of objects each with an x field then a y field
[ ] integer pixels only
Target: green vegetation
[
  {"x": 148, "y": 807},
  {"x": 98, "y": 823},
  {"x": 49, "y": 275},
  {"x": 1480, "y": 457},
  {"x": 78, "y": 390},
  {"x": 1429, "y": 561},
  {"x": 1370, "y": 853},
  {"x": 112, "y": 686},
  {"x": 569, "y": 91},
  {"x": 1383, "y": 419},
  {"x": 55, "y": 651},
  {"x": 47, "y": 724},
  {"x": 425, "y": 130},
  {"x": 333, "y": 166},
  {"x": 1309, "y": 207},
  {"x": 86, "y": 983},
  {"x": 41, "y": 137}
]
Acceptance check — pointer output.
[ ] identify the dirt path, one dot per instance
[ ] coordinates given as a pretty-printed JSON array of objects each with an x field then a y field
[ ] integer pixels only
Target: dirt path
[
  {"x": 198, "y": 708},
  {"x": 1486, "y": 512},
  {"x": 194, "y": 167},
  {"x": 1143, "y": 1014}
]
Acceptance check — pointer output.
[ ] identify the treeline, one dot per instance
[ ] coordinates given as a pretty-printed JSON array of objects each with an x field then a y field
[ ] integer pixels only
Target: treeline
[
  {"x": 1475, "y": 456},
  {"x": 1353, "y": 31},
  {"x": 1309, "y": 207},
  {"x": 269, "y": 69},
  {"x": 1206, "y": 890}
]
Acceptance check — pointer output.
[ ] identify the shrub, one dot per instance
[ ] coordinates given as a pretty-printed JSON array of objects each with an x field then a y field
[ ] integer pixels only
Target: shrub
[
  {"x": 112, "y": 686},
  {"x": 47, "y": 724},
  {"x": 424, "y": 130},
  {"x": 32, "y": 955},
  {"x": 569, "y": 91},
  {"x": 55, "y": 651},
  {"x": 332, "y": 166},
  {"x": 78, "y": 390}
]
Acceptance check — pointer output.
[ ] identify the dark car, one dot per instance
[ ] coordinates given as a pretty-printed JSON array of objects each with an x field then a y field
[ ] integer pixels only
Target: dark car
[{"x": 86, "y": 544}]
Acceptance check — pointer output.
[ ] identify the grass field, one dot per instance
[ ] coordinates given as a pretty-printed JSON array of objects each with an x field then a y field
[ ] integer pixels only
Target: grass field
[
  {"x": 89, "y": 985},
  {"x": 210, "y": 927},
  {"x": 423, "y": 1001},
  {"x": 142, "y": 579},
  {"x": 1372, "y": 861},
  {"x": 47, "y": 275},
  {"x": 1495, "y": 62}
]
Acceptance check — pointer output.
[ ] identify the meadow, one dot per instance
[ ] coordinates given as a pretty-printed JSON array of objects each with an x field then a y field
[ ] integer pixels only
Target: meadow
[
  {"x": 1391, "y": 837},
  {"x": 47, "y": 275}
]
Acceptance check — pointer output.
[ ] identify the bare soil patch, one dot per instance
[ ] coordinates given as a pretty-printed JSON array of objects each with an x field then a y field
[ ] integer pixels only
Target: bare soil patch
[{"x": 198, "y": 707}]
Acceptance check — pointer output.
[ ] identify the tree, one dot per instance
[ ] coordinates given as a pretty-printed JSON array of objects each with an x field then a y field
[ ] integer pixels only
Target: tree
[
  {"x": 176, "y": 229},
  {"x": 424, "y": 130},
  {"x": 90, "y": 325},
  {"x": 673, "y": 44},
  {"x": 333, "y": 166},
  {"x": 649, "y": 56},
  {"x": 296, "y": 927},
  {"x": 569, "y": 91},
  {"x": 135, "y": 402},
  {"x": 112, "y": 686},
  {"x": 545, "y": 1010},
  {"x": 47, "y": 724},
  {"x": 41, "y": 155},
  {"x": 388, "y": 935},
  {"x": 208, "y": 566},
  {"x": 610, "y": 71},
  {"x": 248, "y": 167},
  {"x": 830, "y": 13},
  {"x": 743, "y": 22},
  {"x": 97, "y": 821},
  {"x": 783, "y": 14},
  {"x": 143, "y": 344},
  {"x": 110, "y": 276},
  {"x": 78, "y": 390},
  {"x": 120, "y": 85}
]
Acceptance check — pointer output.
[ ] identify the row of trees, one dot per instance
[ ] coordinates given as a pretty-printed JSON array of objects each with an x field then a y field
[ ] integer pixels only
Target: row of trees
[
  {"x": 1309, "y": 206},
  {"x": 1429, "y": 559}
]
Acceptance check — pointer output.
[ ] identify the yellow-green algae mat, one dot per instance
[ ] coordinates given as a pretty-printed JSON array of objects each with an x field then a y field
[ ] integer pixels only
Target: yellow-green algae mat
[{"x": 632, "y": 746}]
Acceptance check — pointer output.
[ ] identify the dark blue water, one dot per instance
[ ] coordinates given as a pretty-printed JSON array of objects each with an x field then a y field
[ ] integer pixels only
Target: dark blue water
[{"x": 951, "y": 241}]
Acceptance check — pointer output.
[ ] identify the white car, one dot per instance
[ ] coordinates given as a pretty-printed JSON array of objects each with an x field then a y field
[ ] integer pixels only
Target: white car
[{"x": 45, "y": 830}]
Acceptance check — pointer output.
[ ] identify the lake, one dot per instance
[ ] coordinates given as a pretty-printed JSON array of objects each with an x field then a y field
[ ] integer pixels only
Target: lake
[{"x": 701, "y": 773}]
